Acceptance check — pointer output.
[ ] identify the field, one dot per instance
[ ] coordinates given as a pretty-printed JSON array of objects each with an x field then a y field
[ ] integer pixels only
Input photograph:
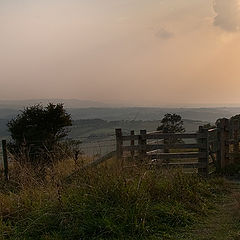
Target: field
[
  {"x": 107, "y": 202},
  {"x": 114, "y": 200},
  {"x": 98, "y": 136}
]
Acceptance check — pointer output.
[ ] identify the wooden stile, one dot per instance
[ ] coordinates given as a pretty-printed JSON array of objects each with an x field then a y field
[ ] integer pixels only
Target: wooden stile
[{"x": 211, "y": 148}]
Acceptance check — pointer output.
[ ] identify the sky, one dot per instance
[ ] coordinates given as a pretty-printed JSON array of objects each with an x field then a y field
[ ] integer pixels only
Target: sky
[{"x": 129, "y": 52}]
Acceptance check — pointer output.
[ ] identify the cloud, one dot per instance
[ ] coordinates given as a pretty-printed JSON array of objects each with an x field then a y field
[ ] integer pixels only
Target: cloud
[
  {"x": 164, "y": 34},
  {"x": 228, "y": 15}
]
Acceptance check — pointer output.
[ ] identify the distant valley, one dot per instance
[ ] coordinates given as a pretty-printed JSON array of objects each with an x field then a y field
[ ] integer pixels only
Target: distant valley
[{"x": 92, "y": 119}]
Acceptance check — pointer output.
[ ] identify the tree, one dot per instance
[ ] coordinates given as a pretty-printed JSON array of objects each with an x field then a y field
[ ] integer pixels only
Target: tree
[
  {"x": 38, "y": 129},
  {"x": 171, "y": 123}
]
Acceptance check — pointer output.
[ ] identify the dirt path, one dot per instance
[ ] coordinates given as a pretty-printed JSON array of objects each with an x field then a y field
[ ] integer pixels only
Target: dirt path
[{"x": 223, "y": 223}]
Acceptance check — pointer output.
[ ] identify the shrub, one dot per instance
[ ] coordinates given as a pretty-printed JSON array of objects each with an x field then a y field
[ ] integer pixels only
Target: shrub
[{"x": 36, "y": 130}]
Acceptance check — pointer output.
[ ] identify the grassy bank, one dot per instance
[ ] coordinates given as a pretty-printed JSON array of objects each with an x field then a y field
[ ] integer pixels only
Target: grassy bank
[{"x": 103, "y": 203}]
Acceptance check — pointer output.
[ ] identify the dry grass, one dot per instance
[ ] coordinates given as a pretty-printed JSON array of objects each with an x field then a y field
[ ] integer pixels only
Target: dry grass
[{"x": 107, "y": 202}]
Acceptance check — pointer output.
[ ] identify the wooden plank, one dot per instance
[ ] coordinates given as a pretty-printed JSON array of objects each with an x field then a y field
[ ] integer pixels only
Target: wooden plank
[
  {"x": 130, "y": 137},
  {"x": 175, "y": 146},
  {"x": 151, "y": 147},
  {"x": 169, "y": 135},
  {"x": 181, "y": 164},
  {"x": 165, "y": 136},
  {"x": 176, "y": 155}
]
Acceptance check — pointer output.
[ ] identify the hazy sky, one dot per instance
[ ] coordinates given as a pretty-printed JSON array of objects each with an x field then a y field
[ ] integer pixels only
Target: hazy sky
[{"x": 138, "y": 52}]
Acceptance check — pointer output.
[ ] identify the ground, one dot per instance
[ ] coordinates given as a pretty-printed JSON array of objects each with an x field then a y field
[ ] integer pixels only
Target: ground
[{"x": 222, "y": 224}]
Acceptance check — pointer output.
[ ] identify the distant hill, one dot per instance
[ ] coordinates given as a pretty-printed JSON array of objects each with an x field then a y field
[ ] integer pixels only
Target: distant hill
[
  {"x": 69, "y": 103},
  {"x": 150, "y": 114},
  {"x": 131, "y": 113},
  {"x": 102, "y": 129},
  {"x": 91, "y": 128}
]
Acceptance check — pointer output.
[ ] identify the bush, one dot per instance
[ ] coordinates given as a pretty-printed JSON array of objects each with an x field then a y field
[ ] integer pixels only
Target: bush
[{"x": 36, "y": 130}]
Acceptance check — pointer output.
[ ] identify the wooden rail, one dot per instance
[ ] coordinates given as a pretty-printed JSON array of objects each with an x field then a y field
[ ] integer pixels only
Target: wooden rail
[{"x": 209, "y": 149}]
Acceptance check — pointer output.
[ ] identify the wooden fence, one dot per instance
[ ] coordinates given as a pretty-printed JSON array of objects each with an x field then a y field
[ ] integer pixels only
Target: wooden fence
[{"x": 207, "y": 150}]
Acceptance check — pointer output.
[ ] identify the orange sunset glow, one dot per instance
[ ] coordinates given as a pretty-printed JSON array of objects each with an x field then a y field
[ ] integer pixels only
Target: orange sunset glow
[{"x": 130, "y": 52}]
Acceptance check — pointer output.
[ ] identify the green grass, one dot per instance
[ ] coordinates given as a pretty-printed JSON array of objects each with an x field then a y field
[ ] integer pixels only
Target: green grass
[
  {"x": 104, "y": 203},
  {"x": 222, "y": 224}
]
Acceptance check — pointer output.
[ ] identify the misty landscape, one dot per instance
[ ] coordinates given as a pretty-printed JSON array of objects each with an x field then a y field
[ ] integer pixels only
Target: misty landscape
[
  {"x": 87, "y": 116},
  {"x": 120, "y": 120},
  {"x": 94, "y": 124}
]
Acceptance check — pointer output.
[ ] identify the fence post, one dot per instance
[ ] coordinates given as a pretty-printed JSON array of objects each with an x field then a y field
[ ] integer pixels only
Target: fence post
[
  {"x": 119, "y": 143},
  {"x": 142, "y": 141},
  {"x": 219, "y": 149},
  {"x": 132, "y": 144},
  {"x": 236, "y": 140},
  {"x": 5, "y": 159},
  {"x": 223, "y": 152},
  {"x": 204, "y": 150}
]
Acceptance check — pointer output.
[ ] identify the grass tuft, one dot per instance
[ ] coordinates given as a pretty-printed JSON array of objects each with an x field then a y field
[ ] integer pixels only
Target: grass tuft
[{"x": 103, "y": 203}]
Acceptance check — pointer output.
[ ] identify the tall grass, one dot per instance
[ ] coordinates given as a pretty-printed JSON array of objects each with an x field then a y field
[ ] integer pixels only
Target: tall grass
[{"x": 102, "y": 203}]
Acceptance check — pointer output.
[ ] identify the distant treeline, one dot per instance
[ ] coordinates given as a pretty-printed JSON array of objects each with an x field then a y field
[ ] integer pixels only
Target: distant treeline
[
  {"x": 103, "y": 128},
  {"x": 137, "y": 113}
]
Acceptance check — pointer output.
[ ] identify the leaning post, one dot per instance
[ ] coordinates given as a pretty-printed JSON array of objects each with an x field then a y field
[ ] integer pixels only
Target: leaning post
[{"x": 5, "y": 159}]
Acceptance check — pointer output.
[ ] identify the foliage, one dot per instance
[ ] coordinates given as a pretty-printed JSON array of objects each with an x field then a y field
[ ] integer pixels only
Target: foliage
[
  {"x": 103, "y": 203},
  {"x": 171, "y": 123},
  {"x": 37, "y": 129}
]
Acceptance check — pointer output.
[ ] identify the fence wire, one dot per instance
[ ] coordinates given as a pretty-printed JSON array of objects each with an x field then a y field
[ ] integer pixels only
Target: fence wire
[{"x": 84, "y": 146}]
